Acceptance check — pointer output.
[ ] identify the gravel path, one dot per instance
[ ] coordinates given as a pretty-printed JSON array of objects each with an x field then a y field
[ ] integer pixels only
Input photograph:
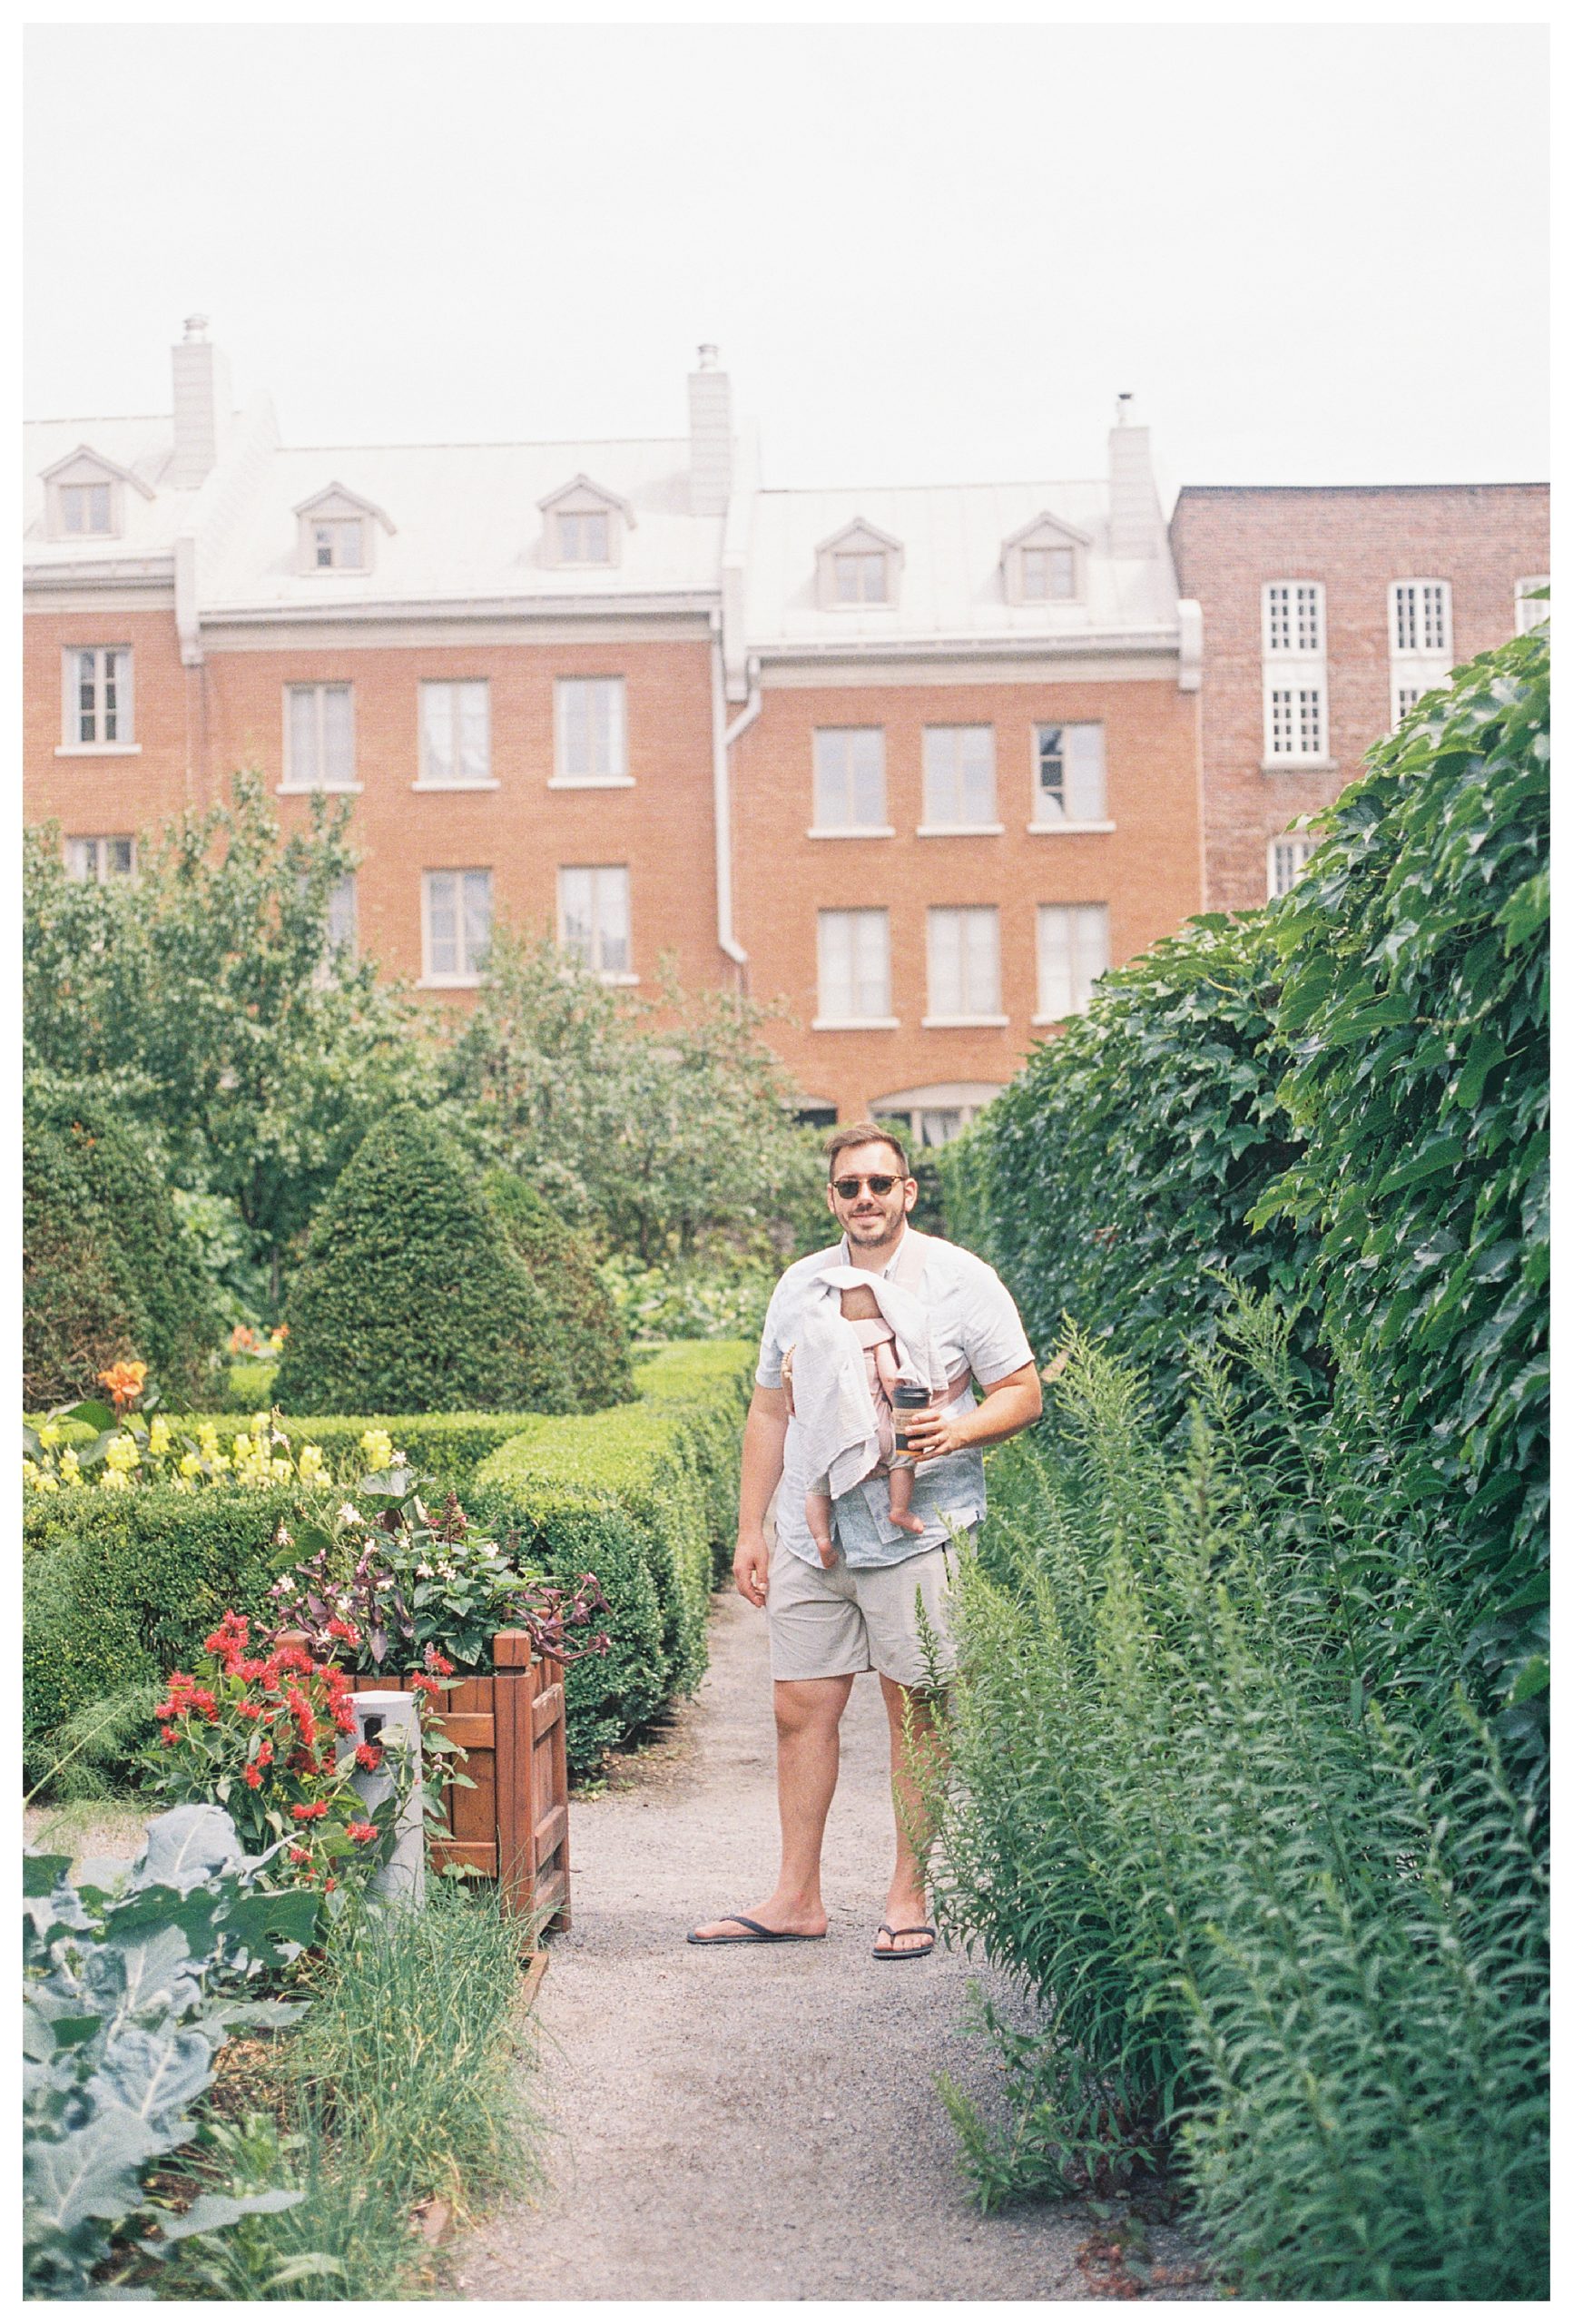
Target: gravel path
[{"x": 752, "y": 2123}]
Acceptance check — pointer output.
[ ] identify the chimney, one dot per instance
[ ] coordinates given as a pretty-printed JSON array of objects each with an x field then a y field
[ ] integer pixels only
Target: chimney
[
  {"x": 1136, "y": 518},
  {"x": 709, "y": 437},
  {"x": 201, "y": 405}
]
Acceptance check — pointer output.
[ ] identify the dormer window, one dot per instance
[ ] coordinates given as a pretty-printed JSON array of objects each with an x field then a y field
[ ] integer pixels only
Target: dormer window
[
  {"x": 860, "y": 566},
  {"x": 337, "y": 531},
  {"x": 584, "y": 524},
  {"x": 1043, "y": 565},
  {"x": 84, "y": 497}
]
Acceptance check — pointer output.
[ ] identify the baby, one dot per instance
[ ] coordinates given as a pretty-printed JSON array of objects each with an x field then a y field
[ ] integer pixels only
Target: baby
[{"x": 861, "y": 1308}]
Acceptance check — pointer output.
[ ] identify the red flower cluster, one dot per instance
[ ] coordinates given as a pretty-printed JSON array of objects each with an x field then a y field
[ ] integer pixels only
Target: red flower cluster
[
  {"x": 369, "y": 1756},
  {"x": 308, "y": 1811},
  {"x": 361, "y": 1831}
]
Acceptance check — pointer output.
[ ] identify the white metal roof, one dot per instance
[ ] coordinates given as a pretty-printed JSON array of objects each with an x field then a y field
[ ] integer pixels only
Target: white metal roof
[
  {"x": 951, "y": 586},
  {"x": 143, "y": 446},
  {"x": 469, "y": 525}
]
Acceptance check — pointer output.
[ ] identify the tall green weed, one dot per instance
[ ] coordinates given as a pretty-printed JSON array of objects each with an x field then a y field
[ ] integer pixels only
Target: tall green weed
[{"x": 1285, "y": 1925}]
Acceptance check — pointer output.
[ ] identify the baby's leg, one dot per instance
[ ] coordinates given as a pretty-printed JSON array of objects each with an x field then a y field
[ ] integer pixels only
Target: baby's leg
[
  {"x": 901, "y": 1496},
  {"x": 817, "y": 1510}
]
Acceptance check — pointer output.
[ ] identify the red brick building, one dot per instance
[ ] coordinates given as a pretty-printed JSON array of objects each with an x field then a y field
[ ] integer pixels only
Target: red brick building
[
  {"x": 920, "y": 764},
  {"x": 1328, "y": 610}
]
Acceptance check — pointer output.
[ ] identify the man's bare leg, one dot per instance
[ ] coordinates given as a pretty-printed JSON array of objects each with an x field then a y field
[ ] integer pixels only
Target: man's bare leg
[
  {"x": 808, "y": 1745},
  {"x": 907, "y": 1902}
]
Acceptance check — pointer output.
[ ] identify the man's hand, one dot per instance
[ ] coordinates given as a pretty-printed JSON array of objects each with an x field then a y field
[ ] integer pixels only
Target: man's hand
[
  {"x": 750, "y": 1569},
  {"x": 1011, "y": 1405}
]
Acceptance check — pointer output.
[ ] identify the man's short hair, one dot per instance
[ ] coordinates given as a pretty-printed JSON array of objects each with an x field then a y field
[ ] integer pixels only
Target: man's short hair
[{"x": 865, "y": 1134}]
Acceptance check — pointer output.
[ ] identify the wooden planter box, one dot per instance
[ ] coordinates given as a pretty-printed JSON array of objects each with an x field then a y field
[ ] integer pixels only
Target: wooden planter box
[{"x": 513, "y": 1827}]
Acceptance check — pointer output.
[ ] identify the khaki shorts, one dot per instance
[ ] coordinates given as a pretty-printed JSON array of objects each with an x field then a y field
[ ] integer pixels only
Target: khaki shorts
[{"x": 832, "y": 1624}]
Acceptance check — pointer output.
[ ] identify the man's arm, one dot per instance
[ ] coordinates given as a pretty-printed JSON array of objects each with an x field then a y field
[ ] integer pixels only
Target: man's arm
[
  {"x": 1008, "y": 1406},
  {"x": 763, "y": 1454}
]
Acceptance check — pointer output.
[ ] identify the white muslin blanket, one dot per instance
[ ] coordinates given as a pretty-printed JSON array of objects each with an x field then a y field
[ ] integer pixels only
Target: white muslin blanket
[{"x": 831, "y": 1399}]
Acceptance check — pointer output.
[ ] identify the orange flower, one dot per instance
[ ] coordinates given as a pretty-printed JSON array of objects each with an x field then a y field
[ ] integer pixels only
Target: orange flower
[{"x": 124, "y": 1383}]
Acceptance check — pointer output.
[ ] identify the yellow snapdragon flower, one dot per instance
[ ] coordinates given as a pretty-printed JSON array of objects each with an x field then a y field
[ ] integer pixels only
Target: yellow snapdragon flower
[
  {"x": 158, "y": 1435},
  {"x": 378, "y": 1446},
  {"x": 123, "y": 1455},
  {"x": 49, "y": 1435},
  {"x": 190, "y": 1465}
]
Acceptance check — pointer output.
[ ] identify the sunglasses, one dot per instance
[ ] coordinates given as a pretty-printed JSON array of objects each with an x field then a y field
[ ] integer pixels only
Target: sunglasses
[{"x": 878, "y": 1182}]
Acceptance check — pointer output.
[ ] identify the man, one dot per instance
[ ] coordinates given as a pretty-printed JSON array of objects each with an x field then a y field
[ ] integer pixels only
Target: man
[{"x": 825, "y": 1627}]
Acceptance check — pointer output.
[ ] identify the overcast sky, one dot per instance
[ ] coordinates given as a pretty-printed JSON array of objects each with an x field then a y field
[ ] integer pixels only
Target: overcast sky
[{"x": 1315, "y": 253}]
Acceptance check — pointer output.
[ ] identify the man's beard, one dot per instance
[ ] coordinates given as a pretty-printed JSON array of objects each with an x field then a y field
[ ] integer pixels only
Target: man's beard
[{"x": 869, "y": 1230}]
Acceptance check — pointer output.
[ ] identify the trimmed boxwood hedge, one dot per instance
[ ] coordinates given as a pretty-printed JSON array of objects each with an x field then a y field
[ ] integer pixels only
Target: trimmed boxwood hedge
[
  {"x": 120, "y": 1587},
  {"x": 644, "y": 1496},
  {"x": 410, "y": 1295}
]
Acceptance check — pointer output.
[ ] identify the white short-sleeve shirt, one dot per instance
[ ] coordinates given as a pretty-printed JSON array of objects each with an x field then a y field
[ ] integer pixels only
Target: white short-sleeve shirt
[{"x": 976, "y": 1326}]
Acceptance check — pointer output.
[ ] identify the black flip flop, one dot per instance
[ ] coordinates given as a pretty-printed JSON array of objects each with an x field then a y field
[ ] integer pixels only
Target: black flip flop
[
  {"x": 905, "y": 1953},
  {"x": 761, "y": 1934}
]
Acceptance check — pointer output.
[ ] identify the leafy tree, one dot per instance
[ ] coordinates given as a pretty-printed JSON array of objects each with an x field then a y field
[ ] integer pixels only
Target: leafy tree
[
  {"x": 410, "y": 1297},
  {"x": 661, "y": 1125},
  {"x": 201, "y": 1000}
]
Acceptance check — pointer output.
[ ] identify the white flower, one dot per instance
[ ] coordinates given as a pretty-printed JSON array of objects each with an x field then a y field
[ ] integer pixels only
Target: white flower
[{"x": 349, "y": 1513}]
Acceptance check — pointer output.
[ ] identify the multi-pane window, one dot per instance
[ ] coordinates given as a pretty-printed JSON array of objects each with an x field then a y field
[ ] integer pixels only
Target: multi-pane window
[
  {"x": 98, "y": 699},
  {"x": 456, "y": 737},
  {"x": 1073, "y": 952},
  {"x": 99, "y": 859},
  {"x": 964, "y": 961},
  {"x": 1296, "y": 722},
  {"x": 457, "y": 914},
  {"x": 1421, "y": 617},
  {"x": 1047, "y": 573},
  {"x": 341, "y": 915},
  {"x": 584, "y": 537},
  {"x": 593, "y": 915},
  {"x": 863, "y": 576},
  {"x": 849, "y": 778},
  {"x": 854, "y": 966},
  {"x": 1286, "y": 859},
  {"x": 958, "y": 774},
  {"x": 1291, "y": 617},
  {"x": 338, "y": 544},
  {"x": 591, "y": 740},
  {"x": 1068, "y": 766},
  {"x": 85, "y": 508},
  {"x": 1404, "y": 699},
  {"x": 1528, "y": 610},
  {"x": 321, "y": 738}
]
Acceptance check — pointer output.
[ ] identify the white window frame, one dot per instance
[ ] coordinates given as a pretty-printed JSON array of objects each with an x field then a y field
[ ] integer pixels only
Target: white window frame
[
  {"x": 1419, "y": 635},
  {"x": 1081, "y": 943},
  {"x": 862, "y": 565},
  {"x": 1295, "y": 696},
  {"x": 601, "y": 876},
  {"x": 938, "y": 743},
  {"x": 101, "y": 873},
  {"x": 426, "y": 780},
  {"x": 615, "y": 776},
  {"x": 956, "y": 1103},
  {"x": 826, "y": 777},
  {"x": 1045, "y": 825},
  {"x": 1294, "y": 849},
  {"x": 1046, "y": 551},
  {"x": 468, "y": 976},
  {"x": 1529, "y": 612},
  {"x": 863, "y": 914},
  {"x": 976, "y": 1002},
  {"x": 291, "y": 785},
  {"x": 1420, "y": 620},
  {"x": 125, "y": 744},
  {"x": 86, "y": 487},
  {"x": 333, "y": 532}
]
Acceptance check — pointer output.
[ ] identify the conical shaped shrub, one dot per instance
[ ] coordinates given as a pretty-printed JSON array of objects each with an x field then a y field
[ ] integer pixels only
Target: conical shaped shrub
[
  {"x": 587, "y": 1332},
  {"x": 410, "y": 1297}
]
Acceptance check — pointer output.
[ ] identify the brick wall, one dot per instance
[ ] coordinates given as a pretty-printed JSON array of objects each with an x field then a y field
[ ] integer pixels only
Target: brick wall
[
  {"x": 109, "y": 793},
  {"x": 1147, "y": 870},
  {"x": 1229, "y": 541}
]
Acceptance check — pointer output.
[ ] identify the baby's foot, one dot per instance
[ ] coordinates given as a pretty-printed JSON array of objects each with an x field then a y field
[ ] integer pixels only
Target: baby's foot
[{"x": 908, "y": 1522}]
